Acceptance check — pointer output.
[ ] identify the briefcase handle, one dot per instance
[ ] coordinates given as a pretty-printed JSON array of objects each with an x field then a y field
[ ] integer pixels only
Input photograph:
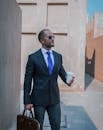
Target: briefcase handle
[{"x": 31, "y": 113}]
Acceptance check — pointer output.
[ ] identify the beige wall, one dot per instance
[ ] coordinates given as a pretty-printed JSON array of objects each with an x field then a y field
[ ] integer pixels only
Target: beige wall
[
  {"x": 67, "y": 20},
  {"x": 10, "y": 60},
  {"x": 94, "y": 57},
  {"x": 77, "y": 42},
  {"x": 98, "y": 24},
  {"x": 95, "y": 25},
  {"x": 94, "y": 47}
]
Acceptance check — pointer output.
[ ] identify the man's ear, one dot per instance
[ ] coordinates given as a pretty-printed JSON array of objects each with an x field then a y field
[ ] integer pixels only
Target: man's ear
[{"x": 42, "y": 41}]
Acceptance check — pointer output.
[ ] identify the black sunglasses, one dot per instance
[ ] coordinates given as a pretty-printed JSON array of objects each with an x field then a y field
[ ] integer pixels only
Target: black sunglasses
[{"x": 50, "y": 37}]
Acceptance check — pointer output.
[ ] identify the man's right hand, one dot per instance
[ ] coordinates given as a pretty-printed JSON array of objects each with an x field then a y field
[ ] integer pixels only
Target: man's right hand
[{"x": 28, "y": 106}]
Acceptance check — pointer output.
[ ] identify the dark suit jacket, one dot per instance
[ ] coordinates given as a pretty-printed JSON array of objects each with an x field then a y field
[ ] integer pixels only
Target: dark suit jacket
[{"x": 45, "y": 87}]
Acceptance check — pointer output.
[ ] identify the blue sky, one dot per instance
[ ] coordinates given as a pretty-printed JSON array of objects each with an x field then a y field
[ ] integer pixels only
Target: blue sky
[{"x": 94, "y": 6}]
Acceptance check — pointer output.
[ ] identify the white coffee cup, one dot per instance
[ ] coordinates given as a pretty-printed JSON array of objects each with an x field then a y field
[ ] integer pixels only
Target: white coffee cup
[{"x": 69, "y": 76}]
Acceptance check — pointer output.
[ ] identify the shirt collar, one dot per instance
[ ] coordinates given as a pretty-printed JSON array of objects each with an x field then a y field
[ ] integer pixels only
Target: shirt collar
[{"x": 44, "y": 51}]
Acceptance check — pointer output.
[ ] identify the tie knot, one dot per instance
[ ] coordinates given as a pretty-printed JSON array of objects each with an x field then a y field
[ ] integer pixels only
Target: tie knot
[{"x": 48, "y": 52}]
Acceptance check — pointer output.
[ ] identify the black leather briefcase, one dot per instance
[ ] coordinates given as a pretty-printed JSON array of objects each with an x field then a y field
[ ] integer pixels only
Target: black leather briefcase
[{"x": 25, "y": 122}]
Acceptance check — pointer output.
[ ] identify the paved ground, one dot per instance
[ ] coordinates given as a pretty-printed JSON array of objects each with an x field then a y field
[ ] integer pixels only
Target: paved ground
[{"x": 80, "y": 110}]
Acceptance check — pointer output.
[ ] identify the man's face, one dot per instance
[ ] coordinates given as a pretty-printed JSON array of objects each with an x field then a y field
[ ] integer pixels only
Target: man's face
[{"x": 48, "y": 40}]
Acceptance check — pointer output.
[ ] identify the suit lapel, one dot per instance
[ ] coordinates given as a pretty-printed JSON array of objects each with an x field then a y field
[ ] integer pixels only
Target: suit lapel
[
  {"x": 55, "y": 61},
  {"x": 42, "y": 61}
]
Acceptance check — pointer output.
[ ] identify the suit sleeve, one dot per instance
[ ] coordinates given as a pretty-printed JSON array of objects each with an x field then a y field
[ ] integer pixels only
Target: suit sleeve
[
  {"x": 62, "y": 72},
  {"x": 28, "y": 80}
]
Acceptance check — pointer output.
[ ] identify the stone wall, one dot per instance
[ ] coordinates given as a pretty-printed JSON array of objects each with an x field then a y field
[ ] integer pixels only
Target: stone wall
[{"x": 10, "y": 61}]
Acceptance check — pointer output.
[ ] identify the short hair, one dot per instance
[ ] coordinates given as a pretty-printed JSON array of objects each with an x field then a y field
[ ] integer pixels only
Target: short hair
[{"x": 42, "y": 34}]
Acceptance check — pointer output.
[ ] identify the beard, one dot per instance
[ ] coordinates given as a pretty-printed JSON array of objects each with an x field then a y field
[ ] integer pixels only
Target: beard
[{"x": 49, "y": 45}]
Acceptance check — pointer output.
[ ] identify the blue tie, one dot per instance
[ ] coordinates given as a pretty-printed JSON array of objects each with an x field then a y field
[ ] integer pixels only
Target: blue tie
[{"x": 50, "y": 63}]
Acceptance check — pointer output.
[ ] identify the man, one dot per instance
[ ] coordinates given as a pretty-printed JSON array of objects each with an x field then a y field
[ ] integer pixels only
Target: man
[{"x": 43, "y": 67}]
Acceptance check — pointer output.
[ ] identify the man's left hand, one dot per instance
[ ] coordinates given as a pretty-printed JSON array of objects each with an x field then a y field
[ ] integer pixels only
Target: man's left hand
[{"x": 69, "y": 84}]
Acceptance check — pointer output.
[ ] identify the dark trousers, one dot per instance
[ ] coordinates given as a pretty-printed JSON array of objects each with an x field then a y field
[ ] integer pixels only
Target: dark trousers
[{"x": 54, "y": 114}]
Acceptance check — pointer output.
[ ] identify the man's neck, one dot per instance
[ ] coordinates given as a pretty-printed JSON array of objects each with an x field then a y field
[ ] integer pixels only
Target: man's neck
[{"x": 48, "y": 49}]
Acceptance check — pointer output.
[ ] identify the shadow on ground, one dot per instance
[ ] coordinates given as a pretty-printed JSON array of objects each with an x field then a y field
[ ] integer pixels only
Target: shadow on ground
[
  {"x": 77, "y": 118},
  {"x": 73, "y": 118},
  {"x": 88, "y": 80}
]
